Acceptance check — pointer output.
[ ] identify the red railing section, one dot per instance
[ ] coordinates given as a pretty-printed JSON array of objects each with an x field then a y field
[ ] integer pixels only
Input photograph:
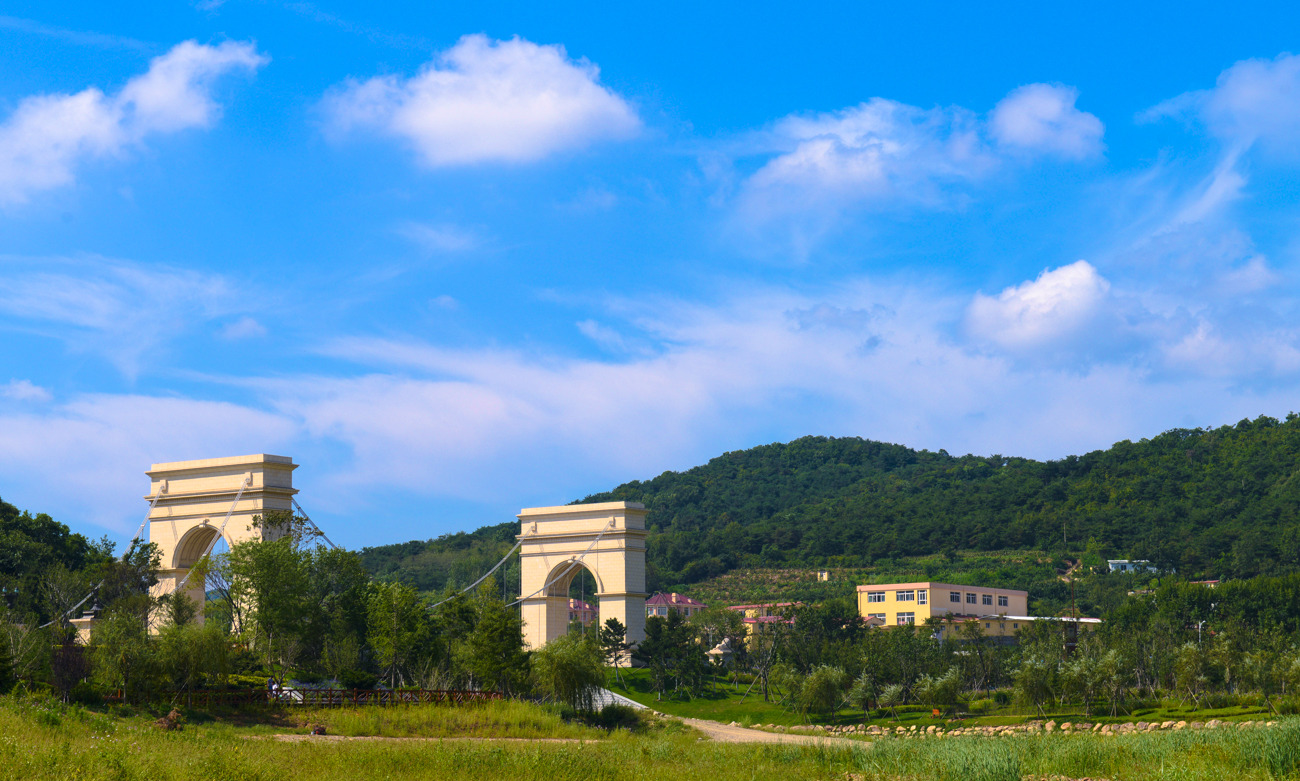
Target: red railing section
[{"x": 324, "y": 698}]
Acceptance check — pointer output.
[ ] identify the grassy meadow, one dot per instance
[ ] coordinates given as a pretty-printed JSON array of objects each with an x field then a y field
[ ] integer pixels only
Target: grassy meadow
[
  {"x": 727, "y": 702},
  {"x": 42, "y": 739}
]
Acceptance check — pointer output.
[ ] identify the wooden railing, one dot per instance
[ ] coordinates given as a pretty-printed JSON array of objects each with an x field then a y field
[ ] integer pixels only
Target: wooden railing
[{"x": 325, "y": 698}]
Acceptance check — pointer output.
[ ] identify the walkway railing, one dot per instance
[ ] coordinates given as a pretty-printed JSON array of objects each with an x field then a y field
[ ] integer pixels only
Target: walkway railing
[{"x": 325, "y": 698}]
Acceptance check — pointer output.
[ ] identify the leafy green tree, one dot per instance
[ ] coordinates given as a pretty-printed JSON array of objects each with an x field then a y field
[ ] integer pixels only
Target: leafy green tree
[
  {"x": 270, "y": 580},
  {"x": 822, "y": 691},
  {"x": 613, "y": 644},
  {"x": 672, "y": 654},
  {"x": 1191, "y": 672},
  {"x": 493, "y": 652},
  {"x": 31, "y": 546},
  {"x": 939, "y": 691},
  {"x": 187, "y": 653},
  {"x": 891, "y": 696},
  {"x": 568, "y": 670},
  {"x": 23, "y": 644},
  {"x": 1036, "y": 681},
  {"x": 399, "y": 627},
  {"x": 124, "y": 655}
]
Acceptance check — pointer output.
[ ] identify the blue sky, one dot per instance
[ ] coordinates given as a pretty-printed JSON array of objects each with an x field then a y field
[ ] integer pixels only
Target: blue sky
[{"x": 461, "y": 260}]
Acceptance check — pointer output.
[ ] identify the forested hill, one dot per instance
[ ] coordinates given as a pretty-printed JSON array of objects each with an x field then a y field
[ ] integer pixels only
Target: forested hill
[{"x": 1208, "y": 502}]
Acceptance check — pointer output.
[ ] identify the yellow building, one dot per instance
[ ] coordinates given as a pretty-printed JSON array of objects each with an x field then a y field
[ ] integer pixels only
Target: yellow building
[
  {"x": 1004, "y": 627},
  {"x": 912, "y": 603},
  {"x": 758, "y": 617}
]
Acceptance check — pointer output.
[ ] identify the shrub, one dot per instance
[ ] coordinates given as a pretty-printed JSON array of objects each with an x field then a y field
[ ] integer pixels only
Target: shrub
[
  {"x": 357, "y": 679},
  {"x": 568, "y": 670},
  {"x": 615, "y": 716},
  {"x": 980, "y": 706}
]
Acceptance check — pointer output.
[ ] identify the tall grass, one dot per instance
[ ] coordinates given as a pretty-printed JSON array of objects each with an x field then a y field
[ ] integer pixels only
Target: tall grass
[
  {"x": 504, "y": 719},
  {"x": 40, "y": 740}
]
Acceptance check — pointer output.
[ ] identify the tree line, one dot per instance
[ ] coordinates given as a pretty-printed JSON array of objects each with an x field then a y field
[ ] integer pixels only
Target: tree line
[
  {"x": 283, "y": 610},
  {"x": 1208, "y": 503},
  {"x": 1174, "y": 641}
]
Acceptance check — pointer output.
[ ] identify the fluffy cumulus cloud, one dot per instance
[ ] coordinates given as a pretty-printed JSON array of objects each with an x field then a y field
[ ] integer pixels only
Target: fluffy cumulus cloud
[
  {"x": 878, "y": 148},
  {"x": 1056, "y": 305},
  {"x": 522, "y": 427},
  {"x": 1043, "y": 118},
  {"x": 488, "y": 101},
  {"x": 1254, "y": 101},
  {"x": 48, "y": 136},
  {"x": 884, "y": 152}
]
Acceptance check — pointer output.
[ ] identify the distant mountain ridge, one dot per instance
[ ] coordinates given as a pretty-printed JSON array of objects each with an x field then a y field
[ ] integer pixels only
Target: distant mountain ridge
[{"x": 1208, "y": 502}]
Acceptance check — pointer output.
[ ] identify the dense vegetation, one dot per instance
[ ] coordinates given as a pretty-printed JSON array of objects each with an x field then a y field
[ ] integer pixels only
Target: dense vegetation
[{"x": 1210, "y": 503}]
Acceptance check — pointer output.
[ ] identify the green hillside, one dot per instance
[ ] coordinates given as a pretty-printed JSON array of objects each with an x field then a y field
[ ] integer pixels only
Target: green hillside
[{"x": 1208, "y": 502}]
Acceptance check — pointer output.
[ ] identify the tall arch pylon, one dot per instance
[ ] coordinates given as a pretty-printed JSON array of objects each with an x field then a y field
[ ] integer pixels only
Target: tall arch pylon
[
  {"x": 194, "y": 500},
  {"x": 612, "y": 537}
]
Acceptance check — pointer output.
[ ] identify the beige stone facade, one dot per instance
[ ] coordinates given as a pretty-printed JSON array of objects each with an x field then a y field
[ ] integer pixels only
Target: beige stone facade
[
  {"x": 194, "y": 500},
  {"x": 612, "y": 535}
]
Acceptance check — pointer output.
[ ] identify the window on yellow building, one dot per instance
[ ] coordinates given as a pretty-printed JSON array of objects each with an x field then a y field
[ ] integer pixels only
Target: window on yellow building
[
  {"x": 880, "y": 616},
  {"x": 906, "y": 618},
  {"x": 905, "y": 596},
  {"x": 875, "y": 596},
  {"x": 921, "y": 595}
]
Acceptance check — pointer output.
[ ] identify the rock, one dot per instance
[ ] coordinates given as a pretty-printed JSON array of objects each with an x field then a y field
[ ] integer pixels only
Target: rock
[
  {"x": 173, "y": 720},
  {"x": 1181, "y": 725},
  {"x": 1067, "y": 725},
  {"x": 1049, "y": 726},
  {"x": 1166, "y": 724},
  {"x": 1197, "y": 725}
]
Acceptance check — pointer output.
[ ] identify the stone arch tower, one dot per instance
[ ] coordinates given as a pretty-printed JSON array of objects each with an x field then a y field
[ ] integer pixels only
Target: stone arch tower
[
  {"x": 195, "y": 498},
  {"x": 552, "y": 538}
]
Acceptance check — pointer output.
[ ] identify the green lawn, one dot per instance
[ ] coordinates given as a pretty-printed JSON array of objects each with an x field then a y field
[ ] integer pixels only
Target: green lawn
[
  {"x": 40, "y": 740},
  {"x": 723, "y": 702}
]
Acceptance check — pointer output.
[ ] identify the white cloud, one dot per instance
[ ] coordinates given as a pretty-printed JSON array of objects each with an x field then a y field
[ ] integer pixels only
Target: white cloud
[
  {"x": 1057, "y": 304},
  {"x": 48, "y": 136},
  {"x": 440, "y": 238},
  {"x": 883, "y": 154},
  {"x": 1043, "y": 118},
  {"x": 84, "y": 461},
  {"x": 243, "y": 328},
  {"x": 488, "y": 101},
  {"x": 523, "y": 427},
  {"x": 1254, "y": 100},
  {"x": 118, "y": 309},
  {"x": 24, "y": 390},
  {"x": 879, "y": 148},
  {"x": 604, "y": 336}
]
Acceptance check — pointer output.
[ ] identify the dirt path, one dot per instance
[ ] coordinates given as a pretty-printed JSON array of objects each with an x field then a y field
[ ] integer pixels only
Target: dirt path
[
  {"x": 347, "y": 738},
  {"x": 724, "y": 733}
]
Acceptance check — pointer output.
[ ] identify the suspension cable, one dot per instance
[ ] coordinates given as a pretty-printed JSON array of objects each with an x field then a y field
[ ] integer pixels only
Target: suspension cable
[
  {"x": 568, "y": 569},
  {"x": 245, "y": 483},
  {"x": 318, "y": 529},
  {"x": 129, "y": 547},
  {"x": 471, "y": 586}
]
